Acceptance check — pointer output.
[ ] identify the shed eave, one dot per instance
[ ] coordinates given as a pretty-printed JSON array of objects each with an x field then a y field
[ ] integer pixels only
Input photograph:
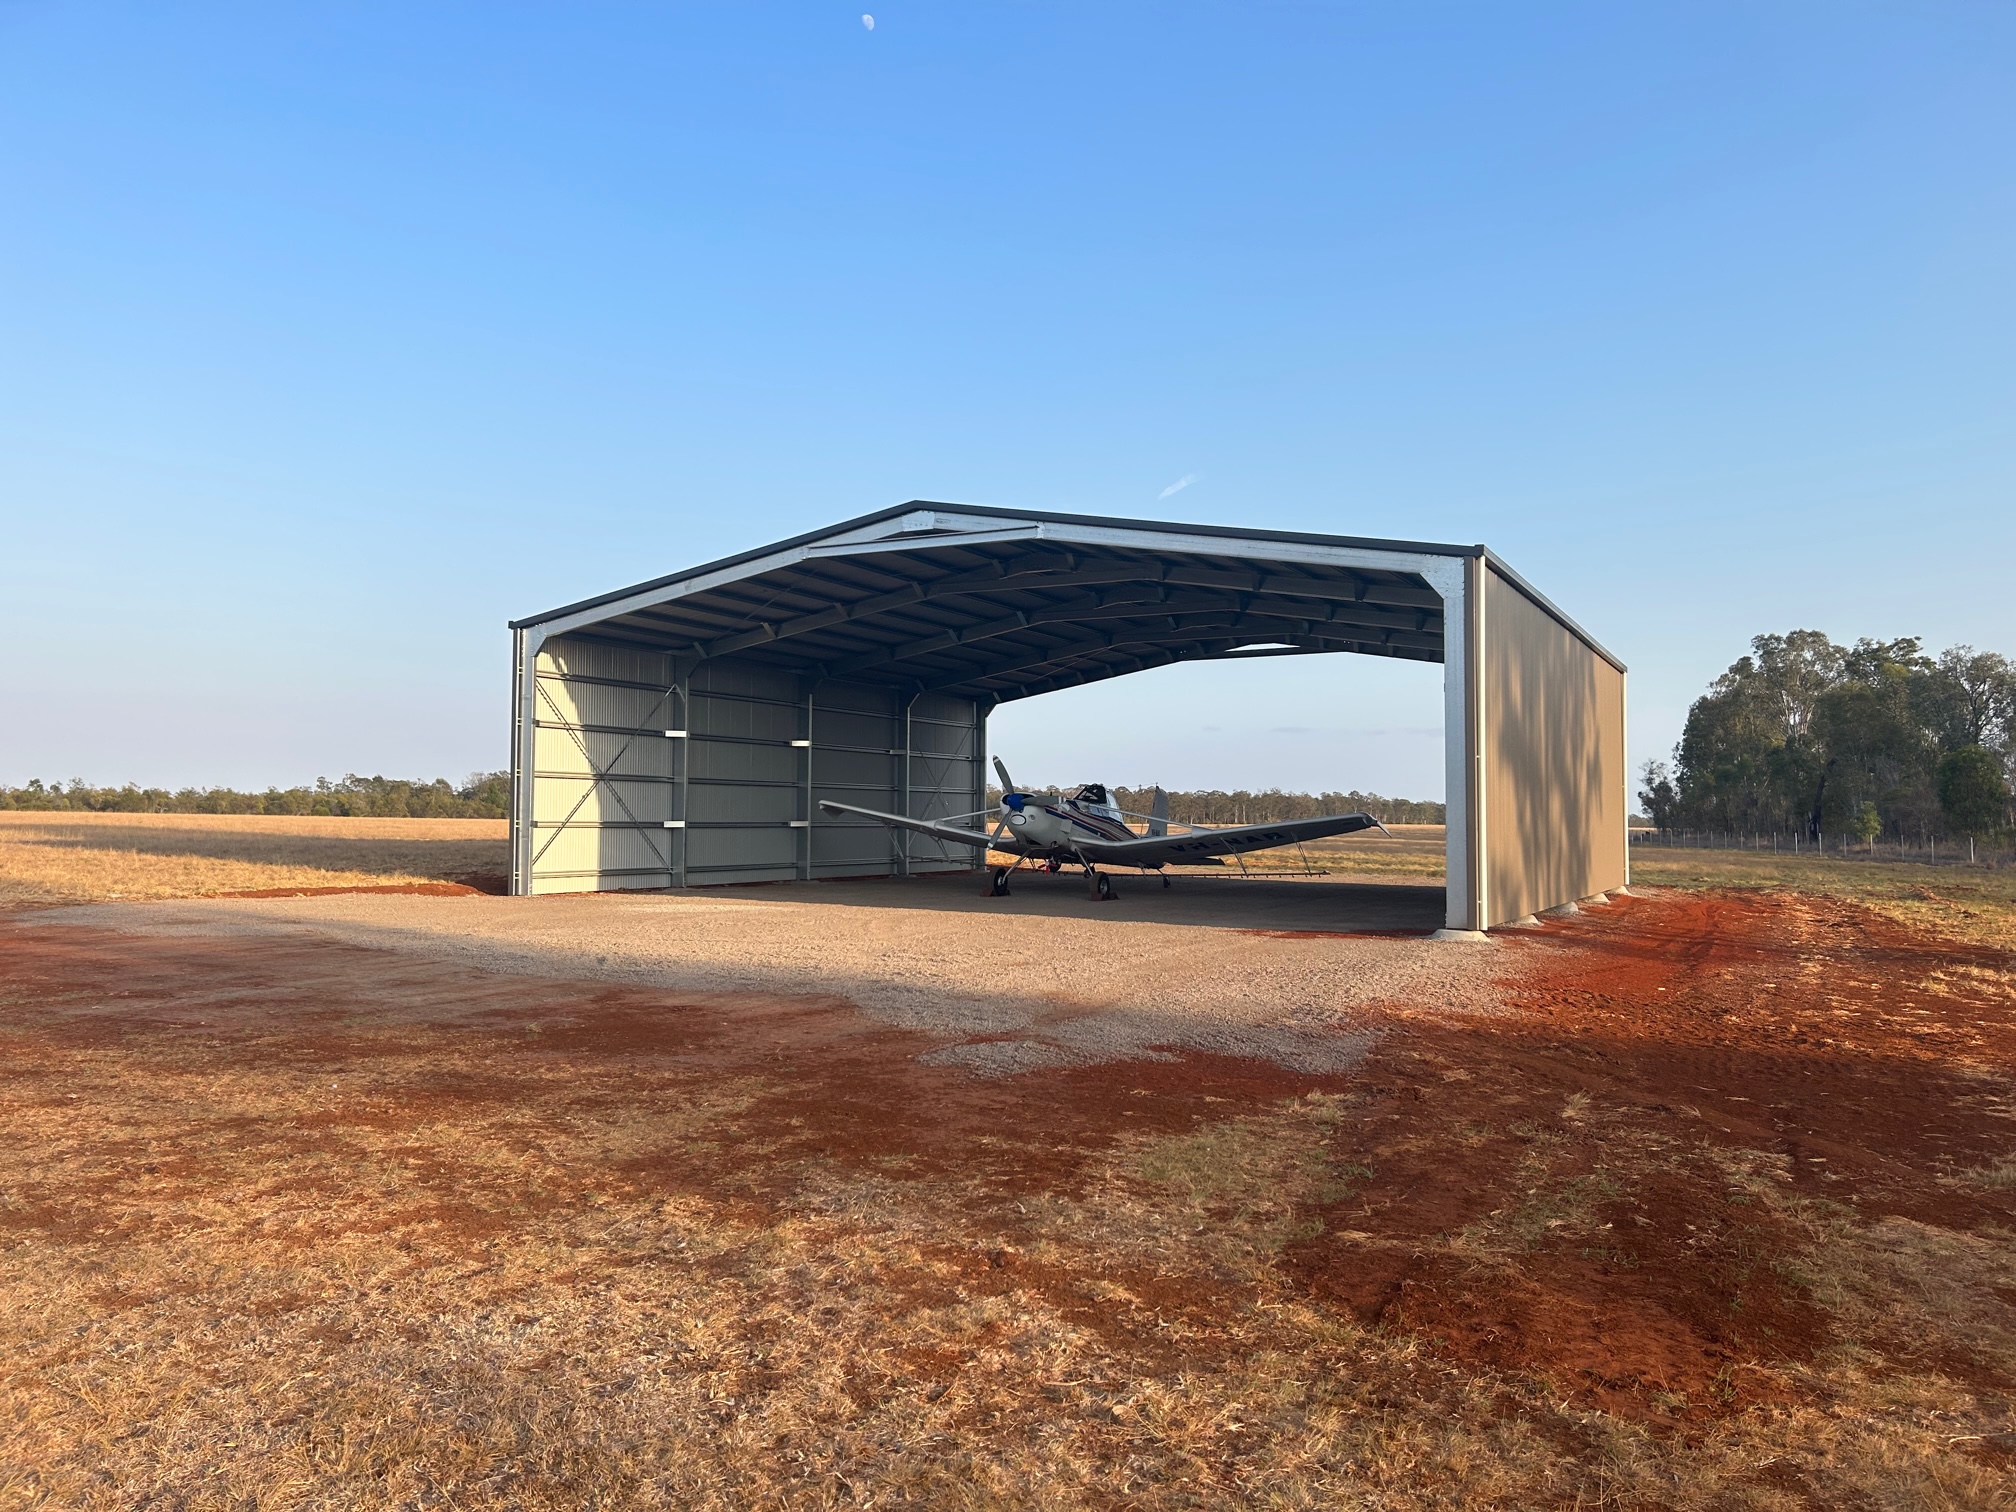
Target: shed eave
[{"x": 850, "y": 538}]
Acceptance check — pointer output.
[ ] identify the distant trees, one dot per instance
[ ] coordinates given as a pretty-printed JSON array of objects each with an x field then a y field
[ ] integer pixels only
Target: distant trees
[
  {"x": 483, "y": 795},
  {"x": 487, "y": 795},
  {"x": 1973, "y": 790},
  {"x": 1243, "y": 807},
  {"x": 1872, "y": 739}
]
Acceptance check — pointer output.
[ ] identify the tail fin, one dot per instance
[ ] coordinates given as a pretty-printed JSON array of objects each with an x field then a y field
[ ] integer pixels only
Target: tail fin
[{"x": 1158, "y": 814}]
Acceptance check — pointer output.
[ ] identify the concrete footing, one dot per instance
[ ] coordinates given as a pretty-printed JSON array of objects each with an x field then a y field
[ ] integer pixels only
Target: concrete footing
[
  {"x": 1462, "y": 936},
  {"x": 1560, "y": 911}
]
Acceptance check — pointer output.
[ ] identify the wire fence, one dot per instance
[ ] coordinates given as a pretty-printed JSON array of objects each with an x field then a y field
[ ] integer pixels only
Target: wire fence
[{"x": 1932, "y": 850}]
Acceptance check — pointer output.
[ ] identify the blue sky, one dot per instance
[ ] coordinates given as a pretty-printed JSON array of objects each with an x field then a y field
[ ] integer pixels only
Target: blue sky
[{"x": 332, "y": 336}]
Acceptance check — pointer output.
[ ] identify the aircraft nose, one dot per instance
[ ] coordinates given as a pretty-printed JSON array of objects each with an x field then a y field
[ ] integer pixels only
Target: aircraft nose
[{"x": 1012, "y": 801}]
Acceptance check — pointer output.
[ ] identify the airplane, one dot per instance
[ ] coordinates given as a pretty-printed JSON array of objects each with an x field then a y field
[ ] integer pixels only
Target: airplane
[{"x": 1086, "y": 827}]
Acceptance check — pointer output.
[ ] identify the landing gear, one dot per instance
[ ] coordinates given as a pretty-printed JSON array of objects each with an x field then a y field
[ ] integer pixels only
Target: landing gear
[
  {"x": 1165, "y": 879},
  {"x": 1100, "y": 884},
  {"x": 997, "y": 883},
  {"x": 1053, "y": 866}
]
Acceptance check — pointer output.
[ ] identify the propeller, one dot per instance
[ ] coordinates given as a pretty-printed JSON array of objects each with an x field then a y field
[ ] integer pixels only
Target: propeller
[{"x": 1007, "y": 789}]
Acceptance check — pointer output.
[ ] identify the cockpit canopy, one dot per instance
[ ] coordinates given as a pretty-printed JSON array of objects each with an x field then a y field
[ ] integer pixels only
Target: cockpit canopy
[{"x": 1092, "y": 798}]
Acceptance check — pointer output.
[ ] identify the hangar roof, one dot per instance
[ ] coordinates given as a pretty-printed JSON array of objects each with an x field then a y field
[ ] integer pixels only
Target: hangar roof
[{"x": 1007, "y": 603}]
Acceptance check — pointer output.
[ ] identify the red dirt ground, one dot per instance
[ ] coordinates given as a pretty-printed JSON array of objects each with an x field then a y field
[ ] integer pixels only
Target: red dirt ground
[
  {"x": 1788, "y": 1026},
  {"x": 1783, "y": 1027}
]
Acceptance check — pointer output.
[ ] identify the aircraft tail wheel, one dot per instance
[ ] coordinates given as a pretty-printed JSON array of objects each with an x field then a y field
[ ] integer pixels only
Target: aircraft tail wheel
[
  {"x": 1102, "y": 887},
  {"x": 1165, "y": 881},
  {"x": 997, "y": 886}
]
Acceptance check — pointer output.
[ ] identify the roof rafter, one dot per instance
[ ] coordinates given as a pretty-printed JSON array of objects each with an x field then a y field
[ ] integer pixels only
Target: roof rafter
[
  {"x": 1172, "y": 629},
  {"x": 1064, "y": 569},
  {"x": 1381, "y": 626},
  {"x": 1221, "y": 650}
]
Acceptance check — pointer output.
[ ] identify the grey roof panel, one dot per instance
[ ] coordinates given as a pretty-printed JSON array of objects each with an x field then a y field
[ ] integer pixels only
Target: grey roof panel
[{"x": 979, "y": 600}]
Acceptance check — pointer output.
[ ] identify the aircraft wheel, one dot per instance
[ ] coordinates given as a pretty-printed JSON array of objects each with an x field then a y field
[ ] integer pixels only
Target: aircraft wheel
[
  {"x": 1053, "y": 866},
  {"x": 1102, "y": 887},
  {"x": 997, "y": 886},
  {"x": 1165, "y": 880}
]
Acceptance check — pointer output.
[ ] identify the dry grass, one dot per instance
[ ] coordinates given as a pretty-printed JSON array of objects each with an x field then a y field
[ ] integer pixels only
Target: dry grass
[
  {"x": 492, "y": 1311},
  {"x": 305, "y": 1228},
  {"x": 1412, "y": 851},
  {"x": 1972, "y": 903},
  {"x": 75, "y": 858}
]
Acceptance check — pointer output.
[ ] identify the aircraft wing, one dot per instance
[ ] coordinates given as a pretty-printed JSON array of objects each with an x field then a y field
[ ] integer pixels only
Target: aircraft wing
[
  {"x": 938, "y": 829},
  {"x": 1160, "y": 850}
]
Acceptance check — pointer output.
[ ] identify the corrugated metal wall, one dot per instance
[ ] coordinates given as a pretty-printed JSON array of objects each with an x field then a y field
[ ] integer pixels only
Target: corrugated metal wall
[
  {"x": 648, "y": 773},
  {"x": 1554, "y": 768}
]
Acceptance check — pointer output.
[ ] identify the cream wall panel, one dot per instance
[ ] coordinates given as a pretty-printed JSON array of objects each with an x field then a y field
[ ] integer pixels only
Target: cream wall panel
[
  {"x": 736, "y": 783},
  {"x": 746, "y": 719},
  {"x": 714, "y": 803},
  {"x": 571, "y": 751},
  {"x": 579, "y": 800},
  {"x": 1554, "y": 777},
  {"x": 572, "y": 658},
  {"x": 566, "y": 701}
]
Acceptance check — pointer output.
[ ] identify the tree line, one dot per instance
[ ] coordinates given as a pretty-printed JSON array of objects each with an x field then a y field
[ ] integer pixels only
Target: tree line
[
  {"x": 1241, "y": 807},
  {"x": 1214, "y": 807},
  {"x": 487, "y": 795},
  {"x": 1878, "y": 740},
  {"x": 483, "y": 795}
]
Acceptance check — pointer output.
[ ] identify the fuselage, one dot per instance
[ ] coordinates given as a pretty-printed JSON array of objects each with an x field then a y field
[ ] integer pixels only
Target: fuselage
[{"x": 1063, "y": 826}]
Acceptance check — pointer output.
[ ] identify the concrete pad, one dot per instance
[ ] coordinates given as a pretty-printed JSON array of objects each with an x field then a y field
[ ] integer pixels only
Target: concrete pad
[
  {"x": 1284, "y": 971},
  {"x": 1217, "y": 902}
]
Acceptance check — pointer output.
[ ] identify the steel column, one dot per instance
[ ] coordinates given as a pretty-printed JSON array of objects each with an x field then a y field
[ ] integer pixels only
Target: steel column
[
  {"x": 899, "y": 838},
  {"x": 524, "y": 745},
  {"x": 682, "y": 700},
  {"x": 805, "y": 798},
  {"x": 981, "y": 708}
]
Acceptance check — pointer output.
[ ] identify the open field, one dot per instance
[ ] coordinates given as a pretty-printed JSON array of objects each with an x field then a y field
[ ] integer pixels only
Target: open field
[
  {"x": 884, "y": 1194},
  {"x": 1412, "y": 851},
  {"x": 76, "y": 857},
  {"x": 1972, "y": 903},
  {"x": 49, "y": 858}
]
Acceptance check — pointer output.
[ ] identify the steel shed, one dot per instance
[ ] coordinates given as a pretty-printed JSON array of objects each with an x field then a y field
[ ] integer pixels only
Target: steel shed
[{"x": 682, "y": 731}]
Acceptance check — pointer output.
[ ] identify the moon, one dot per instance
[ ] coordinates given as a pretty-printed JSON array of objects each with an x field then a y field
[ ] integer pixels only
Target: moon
[{"x": 869, "y": 22}]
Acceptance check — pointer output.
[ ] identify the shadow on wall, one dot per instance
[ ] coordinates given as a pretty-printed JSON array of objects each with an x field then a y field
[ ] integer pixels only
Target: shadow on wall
[{"x": 1554, "y": 738}]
